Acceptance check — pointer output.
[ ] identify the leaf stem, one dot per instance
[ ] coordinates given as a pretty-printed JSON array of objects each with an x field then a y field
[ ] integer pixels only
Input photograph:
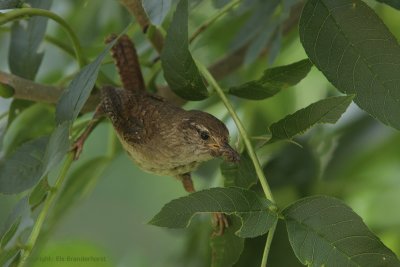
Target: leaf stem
[
  {"x": 250, "y": 151},
  {"x": 46, "y": 207},
  {"x": 214, "y": 18},
  {"x": 268, "y": 243},
  {"x": 26, "y": 12},
  {"x": 242, "y": 131}
]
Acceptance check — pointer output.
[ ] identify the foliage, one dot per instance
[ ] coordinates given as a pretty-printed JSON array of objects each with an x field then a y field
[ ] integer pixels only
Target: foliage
[{"x": 281, "y": 199}]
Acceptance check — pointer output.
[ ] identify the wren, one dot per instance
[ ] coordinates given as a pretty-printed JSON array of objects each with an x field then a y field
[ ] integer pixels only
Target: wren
[
  {"x": 162, "y": 138},
  {"x": 159, "y": 136}
]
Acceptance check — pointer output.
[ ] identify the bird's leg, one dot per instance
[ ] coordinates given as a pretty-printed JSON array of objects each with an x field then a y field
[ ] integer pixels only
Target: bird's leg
[
  {"x": 220, "y": 221},
  {"x": 78, "y": 144},
  {"x": 187, "y": 182}
]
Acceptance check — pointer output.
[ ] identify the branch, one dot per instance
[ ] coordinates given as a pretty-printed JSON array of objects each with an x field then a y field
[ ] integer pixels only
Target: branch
[
  {"x": 28, "y": 90},
  {"x": 48, "y": 202},
  {"x": 153, "y": 34}
]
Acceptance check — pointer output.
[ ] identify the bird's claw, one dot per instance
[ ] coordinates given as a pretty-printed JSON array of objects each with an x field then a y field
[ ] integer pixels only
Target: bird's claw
[{"x": 77, "y": 148}]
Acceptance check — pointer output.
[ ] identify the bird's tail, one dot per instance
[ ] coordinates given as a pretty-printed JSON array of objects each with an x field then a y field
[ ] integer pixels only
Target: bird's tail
[{"x": 127, "y": 62}]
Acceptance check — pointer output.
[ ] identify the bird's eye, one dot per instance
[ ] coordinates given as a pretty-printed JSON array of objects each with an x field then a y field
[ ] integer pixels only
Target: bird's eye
[{"x": 204, "y": 135}]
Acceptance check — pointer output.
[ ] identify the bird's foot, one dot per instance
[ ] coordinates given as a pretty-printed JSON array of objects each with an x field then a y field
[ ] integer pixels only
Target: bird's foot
[
  {"x": 220, "y": 223},
  {"x": 77, "y": 147}
]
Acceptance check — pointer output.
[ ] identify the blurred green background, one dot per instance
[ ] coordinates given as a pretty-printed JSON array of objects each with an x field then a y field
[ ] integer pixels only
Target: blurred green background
[{"x": 356, "y": 160}]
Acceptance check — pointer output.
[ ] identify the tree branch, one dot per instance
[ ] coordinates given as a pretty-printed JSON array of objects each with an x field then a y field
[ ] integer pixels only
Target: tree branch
[
  {"x": 154, "y": 35},
  {"x": 29, "y": 90}
]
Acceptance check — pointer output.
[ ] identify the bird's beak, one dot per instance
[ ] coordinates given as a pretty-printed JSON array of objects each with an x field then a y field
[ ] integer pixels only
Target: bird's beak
[{"x": 226, "y": 152}]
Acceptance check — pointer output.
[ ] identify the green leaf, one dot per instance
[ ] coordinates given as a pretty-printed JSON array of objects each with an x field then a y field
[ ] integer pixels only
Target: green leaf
[
  {"x": 227, "y": 248},
  {"x": 39, "y": 192},
  {"x": 57, "y": 147},
  {"x": 78, "y": 184},
  {"x": 78, "y": 91},
  {"x": 328, "y": 110},
  {"x": 323, "y": 231},
  {"x": 9, "y": 4},
  {"x": 24, "y": 59},
  {"x": 240, "y": 174},
  {"x": 157, "y": 10},
  {"x": 260, "y": 16},
  {"x": 257, "y": 214},
  {"x": 392, "y": 3},
  {"x": 352, "y": 47},
  {"x": 180, "y": 70},
  {"x": 6, "y": 91},
  {"x": 16, "y": 107},
  {"x": 17, "y": 222},
  {"x": 10, "y": 233},
  {"x": 220, "y": 3},
  {"x": 33, "y": 160},
  {"x": 7, "y": 255},
  {"x": 33, "y": 122},
  {"x": 273, "y": 81},
  {"x": 23, "y": 168}
]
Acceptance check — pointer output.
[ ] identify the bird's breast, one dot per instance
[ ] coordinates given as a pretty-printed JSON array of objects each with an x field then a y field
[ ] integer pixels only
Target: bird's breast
[{"x": 159, "y": 161}]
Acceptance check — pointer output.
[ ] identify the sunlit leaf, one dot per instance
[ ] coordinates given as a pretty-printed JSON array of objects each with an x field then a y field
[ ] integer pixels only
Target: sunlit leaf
[
  {"x": 24, "y": 58},
  {"x": 180, "y": 70},
  {"x": 23, "y": 168},
  {"x": 226, "y": 248},
  {"x": 323, "y": 231},
  {"x": 352, "y": 47},
  {"x": 240, "y": 174},
  {"x": 157, "y": 10},
  {"x": 328, "y": 110},
  {"x": 392, "y": 3},
  {"x": 273, "y": 81},
  {"x": 257, "y": 213}
]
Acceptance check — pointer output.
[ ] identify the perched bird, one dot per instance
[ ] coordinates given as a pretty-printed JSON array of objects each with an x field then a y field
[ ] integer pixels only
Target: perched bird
[{"x": 160, "y": 137}]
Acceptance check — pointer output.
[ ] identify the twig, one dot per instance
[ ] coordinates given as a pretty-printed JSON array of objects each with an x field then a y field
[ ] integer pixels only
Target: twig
[
  {"x": 28, "y": 90},
  {"x": 153, "y": 34},
  {"x": 46, "y": 207},
  {"x": 268, "y": 243},
  {"x": 213, "y": 19},
  {"x": 260, "y": 174}
]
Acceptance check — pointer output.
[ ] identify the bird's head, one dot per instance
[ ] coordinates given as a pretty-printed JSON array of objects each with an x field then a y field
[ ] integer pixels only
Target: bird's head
[{"x": 207, "y": 136}]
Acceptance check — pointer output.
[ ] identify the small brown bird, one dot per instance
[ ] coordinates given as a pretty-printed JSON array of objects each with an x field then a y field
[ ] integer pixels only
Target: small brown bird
[
  {"x": 159, "y": 136},
  {"x": 162, "y": 138}
]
